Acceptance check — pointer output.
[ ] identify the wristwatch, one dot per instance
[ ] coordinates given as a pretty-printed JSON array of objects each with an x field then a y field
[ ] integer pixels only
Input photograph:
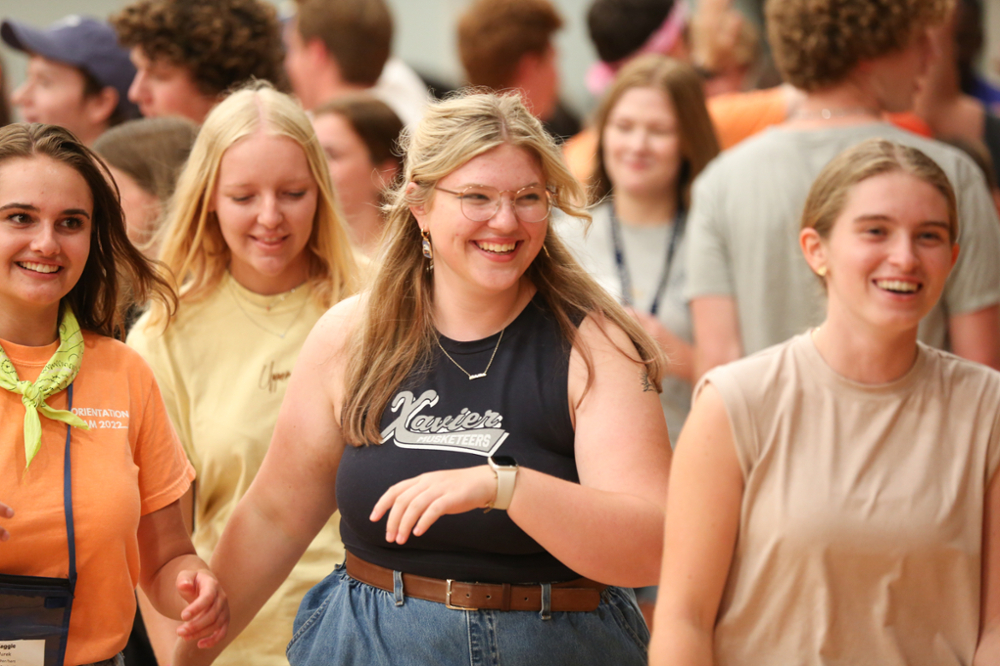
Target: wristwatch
[{"x": 505, "y": 468}]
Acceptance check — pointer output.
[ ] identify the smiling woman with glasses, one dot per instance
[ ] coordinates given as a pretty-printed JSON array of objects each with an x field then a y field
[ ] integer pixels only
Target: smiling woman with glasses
[{"x": 485, "y": 418}]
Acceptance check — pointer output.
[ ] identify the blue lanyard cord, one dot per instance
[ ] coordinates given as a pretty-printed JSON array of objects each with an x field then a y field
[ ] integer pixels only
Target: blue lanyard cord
[
  {"x": 68, "y": 500},
  {"x": 623, "y": 271}
]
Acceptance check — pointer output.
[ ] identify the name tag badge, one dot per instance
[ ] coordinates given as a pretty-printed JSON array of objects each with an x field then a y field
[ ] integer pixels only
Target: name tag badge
[{"x": 22, "y": 653}]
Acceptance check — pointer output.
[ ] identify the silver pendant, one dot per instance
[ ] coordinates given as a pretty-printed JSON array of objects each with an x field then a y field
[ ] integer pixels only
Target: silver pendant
[{"x": 477, "y": 376}]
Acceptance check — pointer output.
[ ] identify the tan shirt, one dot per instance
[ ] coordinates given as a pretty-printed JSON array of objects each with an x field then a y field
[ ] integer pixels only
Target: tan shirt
[
  {"x": 223, "y": 365},
  {"x": 860, "y": 533}
]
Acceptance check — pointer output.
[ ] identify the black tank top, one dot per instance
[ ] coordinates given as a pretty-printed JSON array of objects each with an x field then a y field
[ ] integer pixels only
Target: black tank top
[{"x": 439, "y": 419}]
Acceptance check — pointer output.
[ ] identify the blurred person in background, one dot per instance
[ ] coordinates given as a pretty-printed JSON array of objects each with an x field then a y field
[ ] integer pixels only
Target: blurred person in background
[
  {"x": 78, "y": 76},
  {"x": 343, "y": 47},
  {"x": 254, "y": 240},
  {"x": 5, "y": 116},
  {"x": 359, "y": 135},
  {"x": 748, "y": 284},
  {"x": 969, "y": 40},
  {"x": 655, "y": 138},
  {"x": 145, "y": 156},
  {"x": 949, "y": 112},
  {"x": 509, "y": 45},
  {"x": 189, "y": 53}
]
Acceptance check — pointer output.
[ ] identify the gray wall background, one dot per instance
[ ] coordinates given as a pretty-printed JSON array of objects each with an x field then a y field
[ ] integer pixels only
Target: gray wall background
[{"x": 425, "y": 38}]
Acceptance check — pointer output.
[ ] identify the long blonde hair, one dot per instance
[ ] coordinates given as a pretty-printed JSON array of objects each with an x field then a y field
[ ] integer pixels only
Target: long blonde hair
[
  {"x": 193, "y": 248},
  {"x": 396, "y": 333}
]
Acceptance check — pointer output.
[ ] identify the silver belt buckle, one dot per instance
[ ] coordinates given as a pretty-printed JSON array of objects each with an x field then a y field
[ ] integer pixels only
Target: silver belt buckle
[{"x": 447, "y": 599}]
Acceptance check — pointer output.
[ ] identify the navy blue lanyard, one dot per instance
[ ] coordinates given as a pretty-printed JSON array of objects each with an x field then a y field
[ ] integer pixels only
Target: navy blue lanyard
[
  {"x": 623, "y": 271},
  {"x": 68, "y": 497}
]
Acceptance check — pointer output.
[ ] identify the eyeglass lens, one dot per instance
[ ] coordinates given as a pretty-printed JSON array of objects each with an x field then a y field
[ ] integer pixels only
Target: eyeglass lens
[{"x": 480, "y": 203}]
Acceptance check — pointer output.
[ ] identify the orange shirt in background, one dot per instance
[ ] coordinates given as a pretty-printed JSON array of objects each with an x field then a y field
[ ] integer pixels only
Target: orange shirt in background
[{"x": 127, "y": 465}]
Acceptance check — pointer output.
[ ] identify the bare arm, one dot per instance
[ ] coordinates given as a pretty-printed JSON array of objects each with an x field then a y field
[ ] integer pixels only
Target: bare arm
[
  {"x": 609, "y": 526},
  {"x": 162, "y": 630},
  {"x": 293, "y": 494},
  {"x": 988, "y": 649},
  {"x": 177, "y": 582},
  {"x": 976, "y": 335},
  {"x": 703, "y": 508},
  {"x": 717, "y": 336}
]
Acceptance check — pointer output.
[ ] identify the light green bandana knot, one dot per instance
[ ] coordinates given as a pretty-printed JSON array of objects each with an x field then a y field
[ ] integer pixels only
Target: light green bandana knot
[{"x": 57, "y": 374}]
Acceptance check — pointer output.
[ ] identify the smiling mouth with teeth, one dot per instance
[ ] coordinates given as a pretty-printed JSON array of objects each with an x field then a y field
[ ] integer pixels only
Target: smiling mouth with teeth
[
  {"x": 38, "y": 268},
  {"x": 899, "y": 286},
  {"x": 496, "y": 248}
]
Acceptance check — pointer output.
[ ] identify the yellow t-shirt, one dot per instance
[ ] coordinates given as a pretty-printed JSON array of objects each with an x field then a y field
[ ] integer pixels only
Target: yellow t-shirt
[
  {"x": 223, "y": 365},
  {"x": 127, "y": 465}
]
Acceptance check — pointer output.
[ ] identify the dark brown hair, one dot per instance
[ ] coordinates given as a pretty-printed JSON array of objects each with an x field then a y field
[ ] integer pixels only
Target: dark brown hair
[
  {"x": 95, "y": 297},
  {"x": 357, "y": 33},
  {"x": 374, "y": 121},
  {"x": 222, "y": 43},
  {"x": 493, "y": 36},
  {"x": 684, "y": 88}
]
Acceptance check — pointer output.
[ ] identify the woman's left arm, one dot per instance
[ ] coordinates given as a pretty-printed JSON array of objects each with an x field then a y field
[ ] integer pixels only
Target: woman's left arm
[
  {"x": 178, "y": 582},
  {"x": 609, "y": 527},
  {"x": 988, "y": 649}
]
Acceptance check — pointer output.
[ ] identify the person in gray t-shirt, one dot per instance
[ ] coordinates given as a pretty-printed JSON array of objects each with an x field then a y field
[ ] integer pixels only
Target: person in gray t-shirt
[
  {"x": 654, "y": 137},
  {"x": 748, "y": 285}
]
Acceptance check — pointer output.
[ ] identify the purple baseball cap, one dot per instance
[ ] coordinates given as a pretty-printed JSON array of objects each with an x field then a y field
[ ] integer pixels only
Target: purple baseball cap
[{"x": 83, "y": 42}]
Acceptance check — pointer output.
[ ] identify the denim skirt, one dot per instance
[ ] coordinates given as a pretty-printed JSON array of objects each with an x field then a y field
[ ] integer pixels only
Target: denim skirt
[{"x": 346, "y": 622}]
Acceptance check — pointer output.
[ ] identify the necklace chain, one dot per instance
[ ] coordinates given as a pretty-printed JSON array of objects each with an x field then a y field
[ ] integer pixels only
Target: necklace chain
[
  {"x": 237, "y": 296},
  {"x": 467, "y": 374}
]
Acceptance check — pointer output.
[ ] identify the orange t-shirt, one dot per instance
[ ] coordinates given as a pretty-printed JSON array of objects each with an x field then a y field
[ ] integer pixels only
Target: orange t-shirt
[{"x": 127, "y": 465}]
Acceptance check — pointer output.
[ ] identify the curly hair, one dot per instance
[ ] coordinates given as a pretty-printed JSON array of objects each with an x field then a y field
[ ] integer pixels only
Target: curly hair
[
  {"x": 493, "y": 35},
  {"x": 817, "y": 43},
  {"x": 222, "y": 43}
]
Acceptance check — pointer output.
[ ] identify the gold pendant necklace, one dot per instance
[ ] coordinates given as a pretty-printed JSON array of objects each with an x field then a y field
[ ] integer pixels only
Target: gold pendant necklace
[{"x": 478, "y": 375}]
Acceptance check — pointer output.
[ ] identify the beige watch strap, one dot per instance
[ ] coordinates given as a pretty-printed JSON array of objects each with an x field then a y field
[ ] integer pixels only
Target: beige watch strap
[{"x": 506, "y": 477}]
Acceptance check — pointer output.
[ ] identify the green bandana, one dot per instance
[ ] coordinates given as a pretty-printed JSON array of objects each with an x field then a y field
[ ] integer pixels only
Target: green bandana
[{"x": 57, "y": 374}]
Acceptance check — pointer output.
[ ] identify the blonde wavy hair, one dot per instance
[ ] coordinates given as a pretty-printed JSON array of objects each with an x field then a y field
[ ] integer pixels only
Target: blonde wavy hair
[
  {"x": 192, "y": 245},
  {"x": 396, "y": 333}
]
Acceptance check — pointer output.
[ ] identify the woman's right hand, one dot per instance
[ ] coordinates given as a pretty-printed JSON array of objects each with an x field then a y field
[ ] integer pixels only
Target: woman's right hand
[{"x": 5, "y": 512}]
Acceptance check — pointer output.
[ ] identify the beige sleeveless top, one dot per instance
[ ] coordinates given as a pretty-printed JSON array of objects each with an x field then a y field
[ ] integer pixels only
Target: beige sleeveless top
[{"x": 860, "y": 531}]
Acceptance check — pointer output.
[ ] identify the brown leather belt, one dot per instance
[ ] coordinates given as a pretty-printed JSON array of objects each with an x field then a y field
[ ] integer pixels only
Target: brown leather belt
[{"x": 581, "y": 594}]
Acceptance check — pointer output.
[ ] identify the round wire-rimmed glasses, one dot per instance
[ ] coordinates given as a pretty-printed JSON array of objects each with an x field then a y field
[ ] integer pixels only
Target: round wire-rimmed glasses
[{"x": 480, "y": 203}]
